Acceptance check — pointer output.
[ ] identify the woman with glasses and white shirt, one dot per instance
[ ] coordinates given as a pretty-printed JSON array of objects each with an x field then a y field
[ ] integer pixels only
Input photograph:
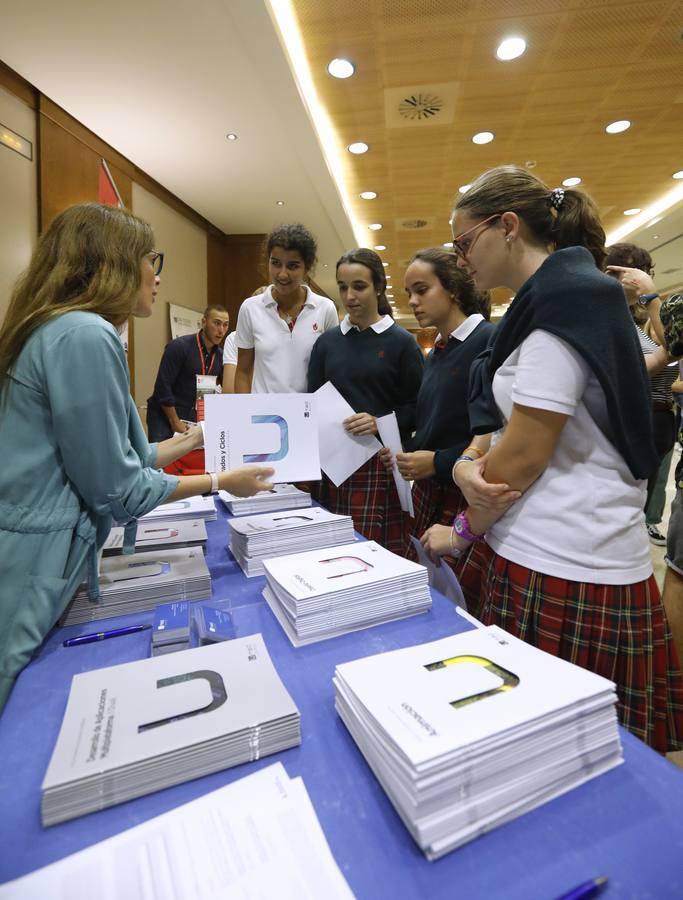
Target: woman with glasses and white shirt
[{"x": 560, "y": 406}]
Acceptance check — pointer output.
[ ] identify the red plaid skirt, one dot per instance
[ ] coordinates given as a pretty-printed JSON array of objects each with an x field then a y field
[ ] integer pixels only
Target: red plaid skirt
[
  {"x": 618, "y": 631},
  {"x": 435, "y": 503},
  {"x": 369, "y": 496}
]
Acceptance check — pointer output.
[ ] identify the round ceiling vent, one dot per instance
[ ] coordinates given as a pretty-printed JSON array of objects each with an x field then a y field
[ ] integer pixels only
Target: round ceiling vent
[
  {"x": 420, "y": 106},
  {"x": 413, "y": 224}
]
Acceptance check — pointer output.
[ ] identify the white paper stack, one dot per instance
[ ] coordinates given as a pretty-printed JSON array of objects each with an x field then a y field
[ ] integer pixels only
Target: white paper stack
[
  {"x": 324, "y": 593},
  {"x": 473, "y": 730},
  {"x": 283, "y": 496},
  {"x": 255, "y": 538},
  {"x": 159, "y": 535},
  {"x": 139, "y": 727},
  {"x": 192, "y": 508},
  {"x": 141, "y": 581}
]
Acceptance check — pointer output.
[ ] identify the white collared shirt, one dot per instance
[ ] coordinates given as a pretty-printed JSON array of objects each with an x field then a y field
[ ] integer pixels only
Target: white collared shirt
[
  {"x": 378, "y": 327},
  {"x": 281, "y": 356},
  {"x": 464, "y": 329}
]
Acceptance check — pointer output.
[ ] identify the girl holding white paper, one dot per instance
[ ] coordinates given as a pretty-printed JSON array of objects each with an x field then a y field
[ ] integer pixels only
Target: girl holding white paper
[{"x": 377, "y": 367}]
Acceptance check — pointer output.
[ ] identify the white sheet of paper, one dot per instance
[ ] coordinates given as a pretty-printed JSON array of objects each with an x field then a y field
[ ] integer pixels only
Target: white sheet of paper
[
  {"x": 441, "y": 577},
  {"x": 277, "y": 430},
  {"x": 341, "y": 453},
  {"x": 389, "y": 433}
]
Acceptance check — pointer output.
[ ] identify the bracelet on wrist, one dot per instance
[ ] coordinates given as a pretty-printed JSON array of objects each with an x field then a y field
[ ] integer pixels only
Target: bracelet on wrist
[
  {"x": 471, "y": 449},
  {"x": 214, "y": 485},
  {"x": 455, "y": 552}
]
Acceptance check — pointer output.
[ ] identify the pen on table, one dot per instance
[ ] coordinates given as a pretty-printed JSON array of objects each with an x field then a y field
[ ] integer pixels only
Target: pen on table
[
  {"x": 103, "y": 635},
  {"x": 586, "y": 890}
]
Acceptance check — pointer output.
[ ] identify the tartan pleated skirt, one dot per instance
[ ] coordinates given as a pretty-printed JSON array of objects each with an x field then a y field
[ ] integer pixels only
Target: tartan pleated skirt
[
  {"x": 434, "y": 503},
  {"x": 370, "y": 497},
  {"x": 618, "y": 631}
]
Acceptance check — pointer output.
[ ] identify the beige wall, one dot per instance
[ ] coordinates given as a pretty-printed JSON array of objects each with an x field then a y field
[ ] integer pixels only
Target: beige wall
[
  {"x": 183, "y": 281},
  {"x": 19, "y": 197}
]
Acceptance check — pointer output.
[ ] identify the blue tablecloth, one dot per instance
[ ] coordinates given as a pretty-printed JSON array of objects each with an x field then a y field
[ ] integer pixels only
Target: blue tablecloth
[{"x": 627, "y": 824}]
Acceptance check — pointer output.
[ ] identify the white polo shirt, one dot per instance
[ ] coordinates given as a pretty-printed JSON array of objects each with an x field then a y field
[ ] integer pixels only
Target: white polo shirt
[
  {"x": 281, "y": 356},
  {"x": 230, "y": 350},
  {"x": 378, "y": 327}
]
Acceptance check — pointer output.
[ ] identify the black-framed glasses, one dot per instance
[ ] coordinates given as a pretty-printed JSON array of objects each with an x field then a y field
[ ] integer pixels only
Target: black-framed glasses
[
  {"x": 462, "y": 248},
  {"x": 157, "y": 260}
]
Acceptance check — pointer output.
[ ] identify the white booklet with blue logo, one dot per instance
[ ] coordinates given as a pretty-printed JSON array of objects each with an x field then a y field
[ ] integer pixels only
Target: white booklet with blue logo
[{"x": 276, "y": 430}]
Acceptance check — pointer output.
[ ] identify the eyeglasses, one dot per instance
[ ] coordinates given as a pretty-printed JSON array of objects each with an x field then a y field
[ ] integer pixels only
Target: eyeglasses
[
  {"x": 157, "y": 260},
  {"x": 462, "y": 248}
]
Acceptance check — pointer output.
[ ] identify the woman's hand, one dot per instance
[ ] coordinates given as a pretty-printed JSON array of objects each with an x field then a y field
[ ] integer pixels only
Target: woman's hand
[
  {"x": 195, "y": 435},
  {"x": 634, "y": 281},
  {"x": 386, "y": 458},
  {"x": 439, "y": 540},
  {"x": 360, "y": 423},
  {"x": 246, "y": 481},
  {"x": 416, "y": 465},
  {"x": 469, "y": 476}
]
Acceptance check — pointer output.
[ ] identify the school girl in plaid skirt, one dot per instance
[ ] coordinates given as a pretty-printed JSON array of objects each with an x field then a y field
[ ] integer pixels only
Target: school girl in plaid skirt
[{"x": 553, "y": 545}]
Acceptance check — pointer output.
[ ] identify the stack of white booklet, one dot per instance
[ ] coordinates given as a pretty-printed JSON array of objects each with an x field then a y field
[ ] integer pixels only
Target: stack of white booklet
[
  {"x": 192, "y": 508},
  {"x": 139, "y": 727},
  {"x": 283, "y": 496},
  {"x": 159, "y": 535},
  {"x": 140, "y": 581},
  {"x": 473, "y": 730},
  {"x": 256, "y": 837},
  {"x": 324, "y": 593},
  {"x": 255, "y": 538}
]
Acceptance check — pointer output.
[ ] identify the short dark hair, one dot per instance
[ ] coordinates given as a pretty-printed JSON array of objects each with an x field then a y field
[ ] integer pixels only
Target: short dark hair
[
  {"x": 294, "y": 237},
  {"x": 454, "y": 279},
  {"x": 629, "y": 255},
  {"x": 368, "y": 258},
  {"x": 214, "y": 307}
]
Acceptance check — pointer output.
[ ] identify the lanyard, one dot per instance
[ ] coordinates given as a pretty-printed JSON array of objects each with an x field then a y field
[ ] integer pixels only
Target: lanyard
[{"x": 201, "y": 356}]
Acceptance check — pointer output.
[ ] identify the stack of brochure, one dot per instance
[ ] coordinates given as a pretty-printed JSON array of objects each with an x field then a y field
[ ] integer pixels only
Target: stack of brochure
[
  {"x": 192, "y": 508},
  {"x": 142, "y": 726},
  {"x": 324, "y": 593},
  {"x": 159, "y": 535},
  {"x": 255, "y": 538},
  {"x": 473, "y": 730},
  {"x": 283, "y": 496},
  {"x": 140, "y": 581}
]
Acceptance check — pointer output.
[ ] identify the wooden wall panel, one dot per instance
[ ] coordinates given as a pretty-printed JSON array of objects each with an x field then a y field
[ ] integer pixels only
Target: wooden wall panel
[
  {"x": 215, "y": 272},
  {"x": 245, "y": 269}
]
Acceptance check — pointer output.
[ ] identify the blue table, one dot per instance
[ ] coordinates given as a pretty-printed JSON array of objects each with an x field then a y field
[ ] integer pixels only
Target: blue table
[{"x": 627, "y": 824}]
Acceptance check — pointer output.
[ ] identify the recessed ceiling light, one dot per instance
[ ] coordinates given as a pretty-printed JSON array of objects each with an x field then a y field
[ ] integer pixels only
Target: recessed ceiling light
[
  {"x": 571, "y": 182},
  {"x": 483, "y": 137},
  {"x": 616, "y": 127},
  {"x": 678, "y": 174},
  {"x": 511, "y": 48},
  {"x": 358, "y": 147},
  {"x": 385, "y": 265},
  {"x": 231, "y": 136},
  {"x": 632, "y": 212},
  {"x": 390, "y": 296},
  {"x": 341, "y": 68},
  {"x": 655, "y": 237},
  {"x": 462, "y": 189},
  {"x": 449, "y": 244},
  {"x": 375, "y": 226},
  {"x": 380, "y": 247},
  {"x": 368, "y": 195},
  {"x": 279, "y": 202}
]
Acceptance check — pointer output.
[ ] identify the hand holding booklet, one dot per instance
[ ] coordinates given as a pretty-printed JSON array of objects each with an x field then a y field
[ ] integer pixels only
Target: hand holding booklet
[
  {"x": 341, "y": 453},
  {"x": 391, "y": 438}
]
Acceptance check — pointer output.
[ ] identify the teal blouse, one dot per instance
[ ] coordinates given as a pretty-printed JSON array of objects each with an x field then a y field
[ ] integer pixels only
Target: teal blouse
[{"x": 74, "y": 460}]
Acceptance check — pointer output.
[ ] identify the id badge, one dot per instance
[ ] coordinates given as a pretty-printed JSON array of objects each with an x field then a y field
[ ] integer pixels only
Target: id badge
[{"x": 206, "y": 384}]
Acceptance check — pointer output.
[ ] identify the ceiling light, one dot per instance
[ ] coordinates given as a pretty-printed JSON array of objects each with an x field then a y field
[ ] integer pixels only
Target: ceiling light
[
  {"x": 678, "y": 174},
  {"x": 571, "y": 182},
  {"x": 358, "y": 147},
  {"x": 483, "y": 137},
  {"x": 380, "y": 247},
  {"x": 655, "y": 237},
  {"x": 449, "y": 244},
  {"x": 231, "y": 136},
  {"x": 385, "y": 264},
  {"x": 368, "y": 195},
  {"x": 375, "y": 226},
  {"x": 616, "y": 127},
  {"x": 390, "y": 296},
  {"x": 660, "y": 206},
  {"x": 462, "y": 189},
  {"x": 511, "y": 48},
  {"x": 632, "y": 212},
  {"x": 341, "y": 68},
  {"x": 279, "y": 202}
]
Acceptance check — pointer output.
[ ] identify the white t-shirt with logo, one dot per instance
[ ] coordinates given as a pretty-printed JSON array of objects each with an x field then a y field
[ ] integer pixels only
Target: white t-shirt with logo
[
  {"x": 583, "y": 519},
  {"x": 281, "y": 356}
]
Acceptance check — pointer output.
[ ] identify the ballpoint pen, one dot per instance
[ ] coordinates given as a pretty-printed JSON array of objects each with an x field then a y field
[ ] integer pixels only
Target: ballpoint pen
[
  {"x": 103, "y": 635},
  {"x": 586, "y": 890}
]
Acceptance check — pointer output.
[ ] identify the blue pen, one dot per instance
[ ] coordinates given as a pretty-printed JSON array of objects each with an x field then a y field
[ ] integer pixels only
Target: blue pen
[
  {"x": 103, "y": 635},
  {"x": 586, "y": 890}
]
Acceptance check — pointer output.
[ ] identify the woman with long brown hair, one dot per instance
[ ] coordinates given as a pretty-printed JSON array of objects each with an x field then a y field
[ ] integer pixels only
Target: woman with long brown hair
[{"x": 75, "y": 456}]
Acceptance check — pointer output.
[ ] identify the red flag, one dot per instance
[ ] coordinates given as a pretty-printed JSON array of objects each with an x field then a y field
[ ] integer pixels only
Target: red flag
[{"x": 108, "y": 192}]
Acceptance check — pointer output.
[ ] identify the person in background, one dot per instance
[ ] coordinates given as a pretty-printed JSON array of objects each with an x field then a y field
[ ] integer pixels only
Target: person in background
[
  {"x": 75, "y": 457},
  {"x": 560, "y": 405},
  {"x": 633, "y": 266},
  {"x": 174, "y": 401},
  {"x": 443, "y": 296},
  {"x": 229, "y": 363},
  {"x": 377, "y": 367},
  {"x": 277, "y": 329}
]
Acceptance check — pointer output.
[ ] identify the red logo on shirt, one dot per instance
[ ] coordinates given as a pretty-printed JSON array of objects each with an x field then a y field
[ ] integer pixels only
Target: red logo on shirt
[
  {"x": 315, "y": 326},
  {"x": 380, "y": 355}
]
